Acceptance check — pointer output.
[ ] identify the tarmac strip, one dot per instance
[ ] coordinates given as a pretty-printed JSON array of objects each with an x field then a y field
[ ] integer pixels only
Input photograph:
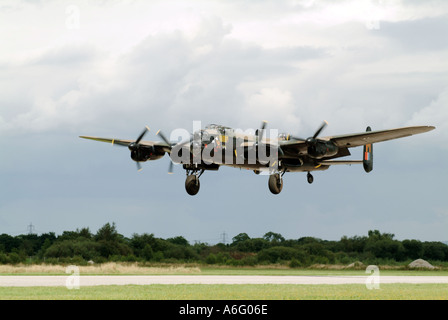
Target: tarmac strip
[{"x": 85, "y": 280}]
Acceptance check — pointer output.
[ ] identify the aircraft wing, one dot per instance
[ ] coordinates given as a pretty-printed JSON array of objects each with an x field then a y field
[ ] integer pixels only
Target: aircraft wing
[
  {"x": 361, "y": 139},
  {"x": 125, "y": 143},
  {"x": 358, "y": 139}
]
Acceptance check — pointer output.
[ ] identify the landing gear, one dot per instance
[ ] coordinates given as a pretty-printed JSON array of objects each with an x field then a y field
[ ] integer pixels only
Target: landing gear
[
  {"x": 192, "y": 185},
  {"x": 310, "y": 178},
  {"x": 275, "y": 183},
  {"x": 192, "y": 182}
]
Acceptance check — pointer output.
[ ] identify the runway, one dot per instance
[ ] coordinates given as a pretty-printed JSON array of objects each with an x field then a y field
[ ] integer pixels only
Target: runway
[{"x": 70, "y": 280}]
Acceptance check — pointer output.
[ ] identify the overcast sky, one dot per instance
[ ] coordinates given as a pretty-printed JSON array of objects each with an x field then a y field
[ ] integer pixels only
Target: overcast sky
[{"x": 109, "y": 68}]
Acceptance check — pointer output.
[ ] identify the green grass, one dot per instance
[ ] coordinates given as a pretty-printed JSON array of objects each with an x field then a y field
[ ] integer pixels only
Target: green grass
[{"x": 231, "y": 292}]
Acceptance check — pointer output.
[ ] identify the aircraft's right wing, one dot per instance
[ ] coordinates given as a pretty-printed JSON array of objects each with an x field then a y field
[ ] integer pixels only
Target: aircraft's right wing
[{"x": 122, "y": 142}]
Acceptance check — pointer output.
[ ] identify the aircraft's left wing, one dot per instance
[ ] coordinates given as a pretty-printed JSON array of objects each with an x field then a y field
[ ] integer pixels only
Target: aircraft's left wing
[
  {"x": 361, "y": 139},
  {"x": 358, "y": 139}
]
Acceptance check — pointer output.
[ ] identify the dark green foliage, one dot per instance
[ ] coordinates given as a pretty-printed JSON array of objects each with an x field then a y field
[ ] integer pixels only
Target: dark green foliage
[
  {"x": 435, "y": 251},
  {"x": 107, "y": 244},
  {"x": 273, "y": 237},
  {"x": 108, "y": 233},
  {"x": 278, "y": 254},
  {"x": 413, "y": 249},
  {"x": 240, "y": 238},
  {"x": 178, "y": 240}
]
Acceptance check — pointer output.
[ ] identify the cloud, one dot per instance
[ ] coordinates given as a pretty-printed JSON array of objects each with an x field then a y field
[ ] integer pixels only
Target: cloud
[
  {"x": 435, "y": 114},
  {"x": 169, "y": 78},
  {"x": 273, "y": 104},
  {"x": 426, "y": 34},
  {"x": 67, "y": 55},
  {"x": 214, "y": 64}
]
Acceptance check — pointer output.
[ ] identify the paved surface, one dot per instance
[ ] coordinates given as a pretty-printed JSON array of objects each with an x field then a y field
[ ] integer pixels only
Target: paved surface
[{"x": 30, "y": 281}]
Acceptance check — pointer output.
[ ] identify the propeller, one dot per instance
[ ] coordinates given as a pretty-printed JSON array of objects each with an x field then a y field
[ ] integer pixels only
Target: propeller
[
  {"x": 318, "y": 148},
  {"x": 312, "y": 140},
  {"x": 259, "y": 137},
  {"x": 260, "y": 131},
  {"x": 164, "y": 138},
  {"x": 135, "y": 146}
]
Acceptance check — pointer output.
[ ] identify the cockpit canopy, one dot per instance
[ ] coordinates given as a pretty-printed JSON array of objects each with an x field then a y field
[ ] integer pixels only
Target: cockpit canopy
[{"x": 284, "y": 136}]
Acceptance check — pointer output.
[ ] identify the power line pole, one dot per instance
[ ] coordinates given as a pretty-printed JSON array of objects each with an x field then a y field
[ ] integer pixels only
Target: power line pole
[
  {"x": 30, "y": 229},
  {"x": 224, "y": 237}
]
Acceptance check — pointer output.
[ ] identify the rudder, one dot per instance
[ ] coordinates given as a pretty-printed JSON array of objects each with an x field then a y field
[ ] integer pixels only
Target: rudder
[{"x": 367, "y": 160}]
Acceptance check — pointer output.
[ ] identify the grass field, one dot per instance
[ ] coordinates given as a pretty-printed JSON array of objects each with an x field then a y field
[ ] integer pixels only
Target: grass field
[
  {"x": 220, "y": 292},
  {"x": 112, "y": 268},
  {"x": 231, "y": 292}
]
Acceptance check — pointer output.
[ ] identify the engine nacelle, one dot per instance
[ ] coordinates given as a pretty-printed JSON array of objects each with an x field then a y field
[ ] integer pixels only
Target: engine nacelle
[
  {"x": 322, "y": 149},
  {"x": 145, "y": 153}
]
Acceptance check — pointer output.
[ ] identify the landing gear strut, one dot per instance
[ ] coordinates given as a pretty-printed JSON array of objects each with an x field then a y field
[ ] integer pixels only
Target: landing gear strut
[
  {"x": 310, "y": 178},
  {"x": 275, "y": 183},
  {"x": 192, "y": 182}
]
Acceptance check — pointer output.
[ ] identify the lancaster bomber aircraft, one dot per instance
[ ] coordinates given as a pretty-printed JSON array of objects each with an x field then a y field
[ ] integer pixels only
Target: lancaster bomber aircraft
[{"x": 217, "y": 145}]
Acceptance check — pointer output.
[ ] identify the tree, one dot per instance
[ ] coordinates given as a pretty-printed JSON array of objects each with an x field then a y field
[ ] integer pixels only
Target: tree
[
  {"x": 252, "y": 245},
  {"x": 305, "y": 240},
  {"x": 376, "y": 235},
  {"x": 147, "y": 252},
  {"x": 178, "y": 240},
  {"x": 8, "y": 242},
  {"x": 277, "y": 254},
  {"x": 273, "y": 237},
  {"x": 107, "y": 233},
  {"x": 110, "y": 242},
  {"x": 138, "y": 244},
  {"x": 413, "y": 249},
  {"x": 435, "y": 251},
  {"x": 353, "y": 244},
  {"x": 73, "y": 235},
  {"x": 386, "y": 249},
  {"x": 240, "y": 238},
  {"x": 85, "y": 233}
]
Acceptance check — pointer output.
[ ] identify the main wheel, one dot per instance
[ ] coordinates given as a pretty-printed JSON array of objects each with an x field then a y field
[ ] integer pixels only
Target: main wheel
[
  {"x": 192, "y": 185},
  {"x": 310, "y": 178},
  {"x": 275, "y": 183}
]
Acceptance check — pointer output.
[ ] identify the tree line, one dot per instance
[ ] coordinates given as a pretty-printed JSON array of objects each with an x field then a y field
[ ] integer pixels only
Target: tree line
[{"x": 82, "y": 246}]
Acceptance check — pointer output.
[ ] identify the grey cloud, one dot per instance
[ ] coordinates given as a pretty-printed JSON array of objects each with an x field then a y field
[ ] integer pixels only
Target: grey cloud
[
  {"x": 426, "y": 34},
  {"x": 173, "y": 79},
  {"x": 67, "y": 56}
]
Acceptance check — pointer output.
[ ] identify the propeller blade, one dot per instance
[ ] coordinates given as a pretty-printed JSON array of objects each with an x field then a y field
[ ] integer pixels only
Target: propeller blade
[
  {"x": 261, "y": 130},
  {"x": 324, "y": 124},
  {"x": 142, "y": 135},
  {"x": 170, "y": 168},
  {"x": 163, "y": 137},
  {"x": 139, "y": 166},
  {"x": 263, "y": 124}
]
